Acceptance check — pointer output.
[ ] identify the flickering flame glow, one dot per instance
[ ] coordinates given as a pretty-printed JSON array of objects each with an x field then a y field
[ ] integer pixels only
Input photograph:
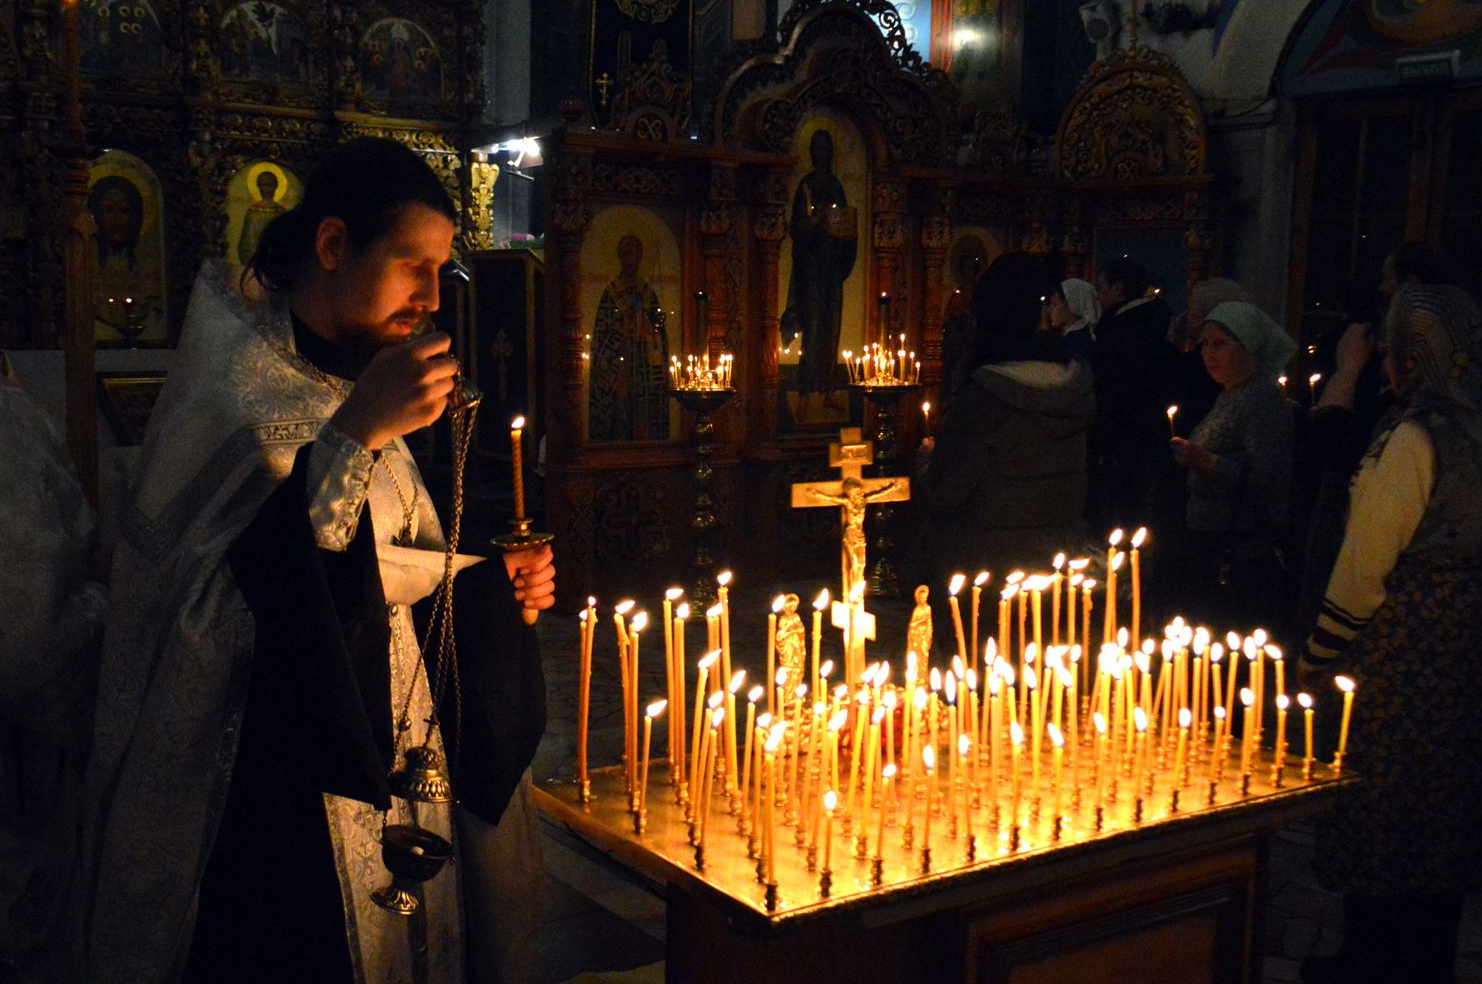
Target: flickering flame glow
[
  {"x": 1344, "y": 684},
  {"x": 821, "y": 602},
  {"x": 956, "y": 585},
  {"x": 723, "y": 578},
  {"x": 517, "y": 424},
  {"x": 981, "y": 579},
  {"x": 1305, "y": 700},
  {"x": 778, "y": 603},
  {"x": 625, "y": 606},
  {"x": 656, "y": 708},
  {"x": 755, "y": 693},
  {"x": 640, "y": 622},
  {"x": 673, "y": 593}
]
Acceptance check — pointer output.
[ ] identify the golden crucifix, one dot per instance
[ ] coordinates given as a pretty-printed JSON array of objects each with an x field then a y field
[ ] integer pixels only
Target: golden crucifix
[{"x": 851, "y": 493}]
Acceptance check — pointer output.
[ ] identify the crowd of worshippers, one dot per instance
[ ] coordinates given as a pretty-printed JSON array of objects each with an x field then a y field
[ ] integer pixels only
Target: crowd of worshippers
[{"x": 1345, "y": 519}]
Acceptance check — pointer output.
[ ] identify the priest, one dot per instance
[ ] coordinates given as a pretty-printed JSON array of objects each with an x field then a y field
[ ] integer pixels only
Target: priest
[{"x": 262, "y": 677}]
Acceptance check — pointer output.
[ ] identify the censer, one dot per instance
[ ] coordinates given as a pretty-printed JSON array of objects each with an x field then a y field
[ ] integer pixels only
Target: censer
[{"x": 412, "y": 853}]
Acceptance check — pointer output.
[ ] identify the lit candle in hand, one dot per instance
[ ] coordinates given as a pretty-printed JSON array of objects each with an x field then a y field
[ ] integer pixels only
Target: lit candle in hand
[
  {"x": 517, "y": 464},
  {"x": 1172, "y": 412}
]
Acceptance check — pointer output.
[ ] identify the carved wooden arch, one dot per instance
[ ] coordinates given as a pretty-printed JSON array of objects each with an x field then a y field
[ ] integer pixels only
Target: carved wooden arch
[
  {"x": 833, "y": 53},
  {"x": 1134, "y": 118}
]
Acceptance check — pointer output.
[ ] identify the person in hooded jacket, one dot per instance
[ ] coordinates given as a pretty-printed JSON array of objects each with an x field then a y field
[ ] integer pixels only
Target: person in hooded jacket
[{"x": 1004, "y": 483}]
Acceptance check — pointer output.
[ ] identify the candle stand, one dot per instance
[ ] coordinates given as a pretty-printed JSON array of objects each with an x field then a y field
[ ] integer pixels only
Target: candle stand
[
  {"x": 886, "y": 398},
  {"x": 703, "y": 402}
]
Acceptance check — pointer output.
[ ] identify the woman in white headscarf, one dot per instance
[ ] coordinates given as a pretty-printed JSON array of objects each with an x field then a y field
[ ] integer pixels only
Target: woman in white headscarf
[
  {"x": 1073, "y": 312},
  {"x": 1239, "y": 460}
]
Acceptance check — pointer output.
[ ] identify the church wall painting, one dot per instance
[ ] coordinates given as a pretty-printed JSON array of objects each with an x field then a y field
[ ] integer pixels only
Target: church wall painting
[
  {"x": 121, "y": 37},
  {"x": 263, "y": 41},
  {"x": 1353, "y": 45},
  {"x": 400, "y": 65},
  {"x": 128, "y": 254},
  {"x": 255, "y": 195},
  {"x": 631, "y": 298},
  {"x": 832, "y": 279}
]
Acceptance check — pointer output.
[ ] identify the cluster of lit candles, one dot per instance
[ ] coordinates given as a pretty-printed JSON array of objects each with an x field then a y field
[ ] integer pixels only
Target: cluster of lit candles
[
  {"x": 1036, "y": 744},
  {"x": 696, "y": 373},
  {"x": 879, "y": 365}
]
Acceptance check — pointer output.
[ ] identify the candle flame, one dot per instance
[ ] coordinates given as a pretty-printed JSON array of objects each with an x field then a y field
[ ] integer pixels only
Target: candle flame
[
  {"x": 1272, "y": 650},
  {"x": 1140, "y": 719},
  {"x": 878, "y": 716},
  {"x": 1014, "y": 578},
  {"x": 1116, "y": 563},
  {"x": 981, "y": 579},
  {"x": 1172, "y": 411},
  {"x": 1232, "y": 641},
  {"x": 925, "y": 407},
  {"x": 1016, "y": 733},
  {"x": 1088, "y": 585},
  {"x": 920, "y": 700},
  {"x": 1141, "y": 535},
  {"x": 1344, "y": 684},
  {"x": 990, "y": 652},
  {"x": 714, "y": 611},
  {"x": 763, "y": 721},
  {"x": 1144, "y": 664},
  {"x": 830, "y": 801},
  {"x": 738, "y": 680},
  {"x": 929, "y": 758},
  {"x": 1079, "y": 564},
  {"x": 1305, "y": 700},
  {"x": 781, "y": 677},
  {"x": 657, "y": 708},
  {"x": 1056, "y": 736},
  {"x": 723, "y": 578},
  {"x": 1185, "y": 717},
  {"x": 1007, "y": 594},
  {"x": 709, "y": 659},
  {"x": 1122, "y": 637},
  {"x": 1260, "y": 637},
  {"x": 1030, "y": 679},
  {"x": 1219, "y": 713},
  {"x": 1031, "y": 652},
  {"x": 1116, "y": 536},
  {"x": 801, "y": 692},
  {"x": 1247, "y": 697},
  {"x": 826, "y": 668},
  {"x": 1007, "y": 671},
  {"x": 935, "y": 678},
  {"x": 717, "y": 716},
  {"x": 888, "y": 772},
  {"x": 591, "y": 601},
  {"x": 673, "y": 594},
  {"x": 821, "y": 602},
  {"x": 964, "y": 745},
  {"x": 683, "y": 611},
  {"x": 716, "y": 699},
  {"x": 582, "y": 616},
  {"x": 755, "y": 693},
  {"x": 778, "y": 603},
  {"x": 517, "y": 424},
  {"x": 838, "y": 721},
  {"x": 950, "y": 686},
  {"x": 1065, "y": 676},
  {"x": 1216, "y": 652},
  {"x": 889, "y": 700},
  {"x": 1283, "y": 702},
  {"x": 1099, "y": 721},
  {"x": 624, "y": 606},
  {"x": 1076, "y": 578},
  {"x": 957, "y": 666},
  {"x": 640, "y": 622},
  {"x": 971, "y": 679},
  {"x": 956, "y": 585}
]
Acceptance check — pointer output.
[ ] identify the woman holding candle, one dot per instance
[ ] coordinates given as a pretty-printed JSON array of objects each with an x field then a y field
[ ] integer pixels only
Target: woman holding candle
[
  {"x": 1401, "y": 612},
  {"x": 1004, "y": 485},
  {"x": 1239, "y": 463}
]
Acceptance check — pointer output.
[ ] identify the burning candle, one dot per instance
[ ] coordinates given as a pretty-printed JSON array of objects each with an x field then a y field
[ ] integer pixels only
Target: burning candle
[
  {"x": 1247, "y": 699},
  {"x": 1016, "y": 742},
  {"x": 1282, "y": 703},
  {"x": 1185, "y": 719},
  {"x": 752, "y": 696},
  {"x": 677, "y": 743},
  {"x": 769, "y": 803},
  {"x": 723, "y": 600},
  {"x": 517, "y": 465},
  {"x": 696, "y": 766},
  {"x": 926, "y": 418},
  {"x": 887, "y": 776},
  {"x": 1055, "y": 583},
  {"x": 1140, "y": 723},
  {"x": 978, "y": 583},
  {"x": 1346, "y": 685},
  {"x": 584, "y": 696},
  {"x": 1057, "y": 743},
  {"x": 1172, "y": 412},
  {"x": 711, "y": 752},
  {"x": 830, "y": 804},
  {"x": 654, "y": 710},
  {"x": 928, "y": 766},
  {"x": 1098, "y": 720},
  {"x": 1137, "y": 541},
  {"x": 1305, "y": 702},
  {"x": 738, "y": 680},
  {"x": 1216, "y": 757},
  {"x": 955, "y": 586}
]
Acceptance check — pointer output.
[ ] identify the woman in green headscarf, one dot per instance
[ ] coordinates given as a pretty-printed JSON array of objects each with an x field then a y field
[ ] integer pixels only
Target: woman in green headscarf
[{"x": 1239, "y": 460}]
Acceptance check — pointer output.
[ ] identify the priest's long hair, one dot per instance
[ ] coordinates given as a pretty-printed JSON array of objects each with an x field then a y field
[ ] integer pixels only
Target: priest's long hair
[{"x": 365, "y": 182}]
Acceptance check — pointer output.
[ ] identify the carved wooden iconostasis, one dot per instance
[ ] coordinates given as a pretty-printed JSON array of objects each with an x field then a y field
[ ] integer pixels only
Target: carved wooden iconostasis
[
  {"x": 203, "y": 117},
  {"x": 647, "y": 209}
]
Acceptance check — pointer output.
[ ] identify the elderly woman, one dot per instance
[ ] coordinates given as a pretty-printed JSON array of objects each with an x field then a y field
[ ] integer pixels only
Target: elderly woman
[
  {"x": 1239, "y": 460},
  {"x": 1073, "y": 310},
  {"x": 1401, "y": 615},
  {"x": 1005, "y": 485}
]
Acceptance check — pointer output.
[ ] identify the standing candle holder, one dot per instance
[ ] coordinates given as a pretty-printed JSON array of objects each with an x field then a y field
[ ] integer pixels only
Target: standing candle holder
[
  {"x": 885, "y": 396},
  {"x": 703, "y": 401}
]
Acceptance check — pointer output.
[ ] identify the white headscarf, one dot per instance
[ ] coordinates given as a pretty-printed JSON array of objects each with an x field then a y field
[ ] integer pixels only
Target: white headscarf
[{"x": 1080, "y": 297}]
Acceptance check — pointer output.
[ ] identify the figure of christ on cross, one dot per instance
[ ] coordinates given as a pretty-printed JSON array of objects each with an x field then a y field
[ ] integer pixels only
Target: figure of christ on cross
[{"x": 852, "y": 493}]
